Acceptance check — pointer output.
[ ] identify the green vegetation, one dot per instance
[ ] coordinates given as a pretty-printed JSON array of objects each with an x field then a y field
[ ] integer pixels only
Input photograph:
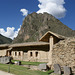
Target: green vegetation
[
  {"x": 20, "y": 70},
  {"x": 29, "y": 63},
  {"x": 4, "y": 40}
]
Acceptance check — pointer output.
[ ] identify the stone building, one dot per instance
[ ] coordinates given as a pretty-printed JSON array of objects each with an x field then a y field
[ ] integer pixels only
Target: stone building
[
  {"x": 31, "y": 51},
  {"x": 4, "y": 50},
  {"x": 51, "y": 48},
  {"x": 40, "y": 51}
]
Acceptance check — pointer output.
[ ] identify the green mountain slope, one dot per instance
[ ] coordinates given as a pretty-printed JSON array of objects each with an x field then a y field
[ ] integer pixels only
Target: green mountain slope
[{"x": 4, "y": 40}]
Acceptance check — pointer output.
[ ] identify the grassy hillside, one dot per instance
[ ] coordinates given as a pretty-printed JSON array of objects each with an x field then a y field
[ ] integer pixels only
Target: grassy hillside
[{"x": 4, "y": 40}]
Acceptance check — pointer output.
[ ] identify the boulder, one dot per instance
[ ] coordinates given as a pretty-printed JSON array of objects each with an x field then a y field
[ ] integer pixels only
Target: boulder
[
  {"x": 57, "y": 69},
  {"x": 67, "y": 70},
  {"x": 5, "y": 60},
  {"x": 42, "y": 66}
]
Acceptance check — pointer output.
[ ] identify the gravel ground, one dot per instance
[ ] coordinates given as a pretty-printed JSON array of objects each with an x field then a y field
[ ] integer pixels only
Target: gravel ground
[{"x": 5, "y": 73}]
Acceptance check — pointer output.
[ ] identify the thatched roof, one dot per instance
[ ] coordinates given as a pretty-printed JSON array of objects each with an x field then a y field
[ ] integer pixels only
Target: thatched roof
[
  {"x": 24, "y": 44},
  {"x": 47, "y": 35},
  {"x": 4, "y": 45},
  {"x": 29, "y": 44}
]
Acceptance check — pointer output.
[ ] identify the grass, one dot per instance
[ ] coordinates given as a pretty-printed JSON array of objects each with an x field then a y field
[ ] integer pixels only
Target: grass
[
  {"x": 20, "y": 70},
  {"x": 29, "y": 63}
]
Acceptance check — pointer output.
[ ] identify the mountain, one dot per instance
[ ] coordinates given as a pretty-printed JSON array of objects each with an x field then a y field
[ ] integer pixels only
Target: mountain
[
  {"x": 4, "y": 40},
  {"x": 35, "y": 25}
]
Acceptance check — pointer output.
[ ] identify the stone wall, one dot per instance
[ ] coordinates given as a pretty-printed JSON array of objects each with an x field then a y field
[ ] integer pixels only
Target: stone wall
[
  {"x": 41, "y": 56},
  {"x": 37, "y": 55},
  {"x": 64, "y": 53},
  {"x": 17, "y": 55},
  {"x": 2, "y": 52}
]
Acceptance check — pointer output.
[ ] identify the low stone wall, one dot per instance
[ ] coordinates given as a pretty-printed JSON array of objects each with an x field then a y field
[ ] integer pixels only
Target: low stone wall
[
  {"x": 5, "y": 60},
  {"x": 64, "y": 53}
]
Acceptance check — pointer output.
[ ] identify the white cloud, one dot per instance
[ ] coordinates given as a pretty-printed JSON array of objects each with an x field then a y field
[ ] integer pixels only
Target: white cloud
[
  {"x": 24, "y": 12},
  {"x": 10, "y": 32},
  {"x": 54, "y": 7}
]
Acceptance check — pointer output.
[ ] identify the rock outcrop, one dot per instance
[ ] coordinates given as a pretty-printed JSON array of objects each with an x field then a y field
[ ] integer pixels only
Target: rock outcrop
[{"x": 35, "y": 25}]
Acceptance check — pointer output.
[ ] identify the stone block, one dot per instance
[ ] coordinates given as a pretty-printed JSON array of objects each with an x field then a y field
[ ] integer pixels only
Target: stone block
[
  {"x": 5, "y": 60},
  {"x": 42, "y": 66},
  {"x": 67, "y": 70},
  {"x": 57, "y": 69}
]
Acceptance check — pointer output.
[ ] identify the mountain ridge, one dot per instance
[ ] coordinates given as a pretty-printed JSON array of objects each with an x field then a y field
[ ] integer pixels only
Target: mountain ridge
[
  {"x": 4, "y": 40},
  {"x": 35, "y": 25}
]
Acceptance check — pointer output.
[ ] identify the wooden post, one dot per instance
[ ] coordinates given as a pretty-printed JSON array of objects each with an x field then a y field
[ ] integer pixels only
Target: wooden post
[{"x": 9, "y": 68}]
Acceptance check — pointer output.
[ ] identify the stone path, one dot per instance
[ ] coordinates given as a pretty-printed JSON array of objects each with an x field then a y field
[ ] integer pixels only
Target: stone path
[{"x": 5, "y": 73}]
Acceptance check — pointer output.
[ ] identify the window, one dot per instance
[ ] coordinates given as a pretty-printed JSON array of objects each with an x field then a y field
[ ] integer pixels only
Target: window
[
  {"x": 36, "y": 54},
  {"x": 15, "y": 53},
  {"x": 19, "y": 54},
  {"x": 31, "y": 54},
  {"x": 10, "y": 53}
]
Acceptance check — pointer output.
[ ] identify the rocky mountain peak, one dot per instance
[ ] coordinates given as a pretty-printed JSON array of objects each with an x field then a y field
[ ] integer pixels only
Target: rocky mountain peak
[{"x": 35, "y": 25}]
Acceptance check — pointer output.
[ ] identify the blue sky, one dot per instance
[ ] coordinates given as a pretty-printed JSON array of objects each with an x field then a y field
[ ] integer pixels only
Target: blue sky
[{"x": 12, "y": 15}]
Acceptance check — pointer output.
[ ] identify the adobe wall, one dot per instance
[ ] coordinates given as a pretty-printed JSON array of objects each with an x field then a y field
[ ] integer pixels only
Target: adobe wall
[
  {"x": 38, "y": 56},
  {"x": 42, "y": 56},
  {"x": 16, "y": 55},
  {"x": 39, "y": 53},
  {"x": 63, "y": 53},
  {"x": 2, "y": 52}
]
